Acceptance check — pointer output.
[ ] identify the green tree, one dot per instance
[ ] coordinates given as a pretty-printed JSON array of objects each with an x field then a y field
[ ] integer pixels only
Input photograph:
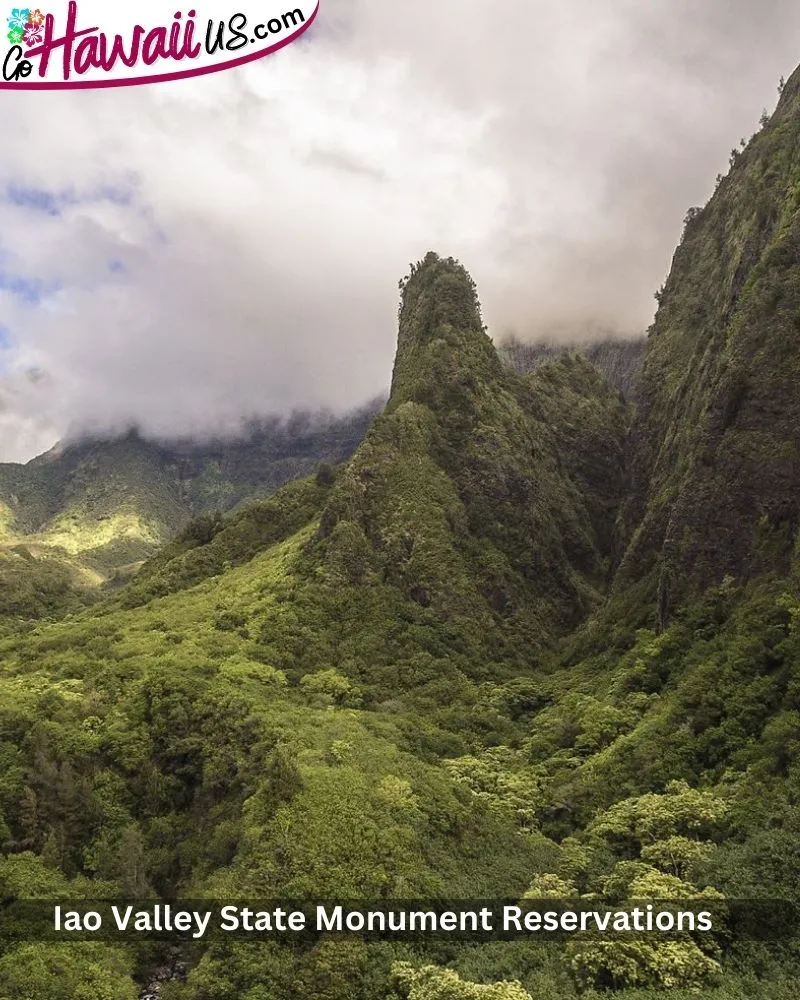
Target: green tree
[
  {"x": 676, "y": 964},
  {"x": 57, "y": 972},
  {"x": 434, "y": 983},
  {"x": 332, "y": 687}
]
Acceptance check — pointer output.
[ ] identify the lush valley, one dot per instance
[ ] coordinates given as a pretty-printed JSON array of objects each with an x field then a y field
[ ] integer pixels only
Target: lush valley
[{"x": 528, "y": 640}]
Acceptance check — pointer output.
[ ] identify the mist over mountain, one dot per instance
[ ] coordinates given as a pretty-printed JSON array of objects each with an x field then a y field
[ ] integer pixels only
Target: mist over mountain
[
  {"x": 100, "y": 504},
  {"x": 619, "y": 360},
  {"x": 102, "y": 501}
]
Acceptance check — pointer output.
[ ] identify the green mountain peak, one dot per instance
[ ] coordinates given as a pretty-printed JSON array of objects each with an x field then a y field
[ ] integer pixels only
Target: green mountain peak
[
  {"x": 462, "y": 498},
  {"x": 440, "y": 326}
]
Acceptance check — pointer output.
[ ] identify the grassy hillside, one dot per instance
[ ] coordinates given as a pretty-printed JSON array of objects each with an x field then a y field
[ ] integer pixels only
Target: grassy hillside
[{"x": 101, "y": 507}]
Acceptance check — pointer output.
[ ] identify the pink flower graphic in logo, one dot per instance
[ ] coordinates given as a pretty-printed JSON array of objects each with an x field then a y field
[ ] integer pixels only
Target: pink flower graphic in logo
[{"x": 33, "y": 33}]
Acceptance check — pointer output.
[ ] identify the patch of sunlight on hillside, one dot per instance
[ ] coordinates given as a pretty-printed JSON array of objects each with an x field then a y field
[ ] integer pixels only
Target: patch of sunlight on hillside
[
  {"x": 22, "y": 548},
  {"x": 75, "y": 536},
  {"x": 250, "y": 588}
]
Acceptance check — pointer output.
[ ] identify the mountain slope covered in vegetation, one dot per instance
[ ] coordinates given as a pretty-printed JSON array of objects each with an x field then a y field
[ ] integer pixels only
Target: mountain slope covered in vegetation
[
  {"x": 620, "y": 360},
  {"x": 716, "y": 467},
  {"x": 97, "y": 507}
]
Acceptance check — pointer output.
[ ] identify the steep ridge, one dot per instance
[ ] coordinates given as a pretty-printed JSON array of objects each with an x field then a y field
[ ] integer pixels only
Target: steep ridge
[
  {"x": 716, "y": 466},
  {"x": 473, "y": 526}
]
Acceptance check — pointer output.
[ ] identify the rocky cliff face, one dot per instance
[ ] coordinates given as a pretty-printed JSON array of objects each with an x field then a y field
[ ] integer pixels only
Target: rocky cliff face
[{"x": 715, "y": 450}]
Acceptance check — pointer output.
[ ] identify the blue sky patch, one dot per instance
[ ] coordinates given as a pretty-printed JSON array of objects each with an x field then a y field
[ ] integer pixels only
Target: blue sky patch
[
  {"x": 54, "y": 202},
  {"x": 30, "y": 290}
]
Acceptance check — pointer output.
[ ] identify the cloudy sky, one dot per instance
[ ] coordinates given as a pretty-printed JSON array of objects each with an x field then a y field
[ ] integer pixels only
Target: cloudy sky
[{"x": 181, "y": 255}]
